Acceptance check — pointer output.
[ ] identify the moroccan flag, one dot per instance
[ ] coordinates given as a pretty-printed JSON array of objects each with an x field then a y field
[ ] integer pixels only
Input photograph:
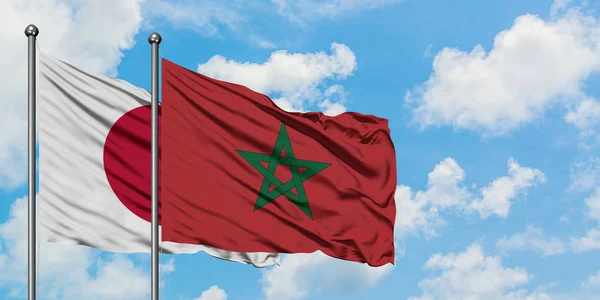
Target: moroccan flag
[
  {"x": 95, "y": 165},
  {"x": 240, "y": 174}
]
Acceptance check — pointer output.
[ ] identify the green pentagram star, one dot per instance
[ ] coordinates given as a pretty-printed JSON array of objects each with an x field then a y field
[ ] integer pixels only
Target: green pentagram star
[{"x": 311, "y": 169}]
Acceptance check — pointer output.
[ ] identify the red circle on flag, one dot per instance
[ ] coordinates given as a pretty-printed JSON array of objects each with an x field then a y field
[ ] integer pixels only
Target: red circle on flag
[{"x": 127, "y": 161}]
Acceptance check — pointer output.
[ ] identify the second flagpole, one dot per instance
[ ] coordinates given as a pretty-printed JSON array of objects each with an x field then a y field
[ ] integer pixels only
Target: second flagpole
[
  {"x": 154, "y": 39},
  {"x": 31, "y": 32}
]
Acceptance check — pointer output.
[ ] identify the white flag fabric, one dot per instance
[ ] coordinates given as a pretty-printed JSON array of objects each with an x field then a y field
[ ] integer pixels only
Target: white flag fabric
[{"x": 87, "y": 193}]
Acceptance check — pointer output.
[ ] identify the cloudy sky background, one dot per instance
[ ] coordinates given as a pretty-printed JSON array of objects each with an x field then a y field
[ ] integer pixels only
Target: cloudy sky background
[{"x": 494, "y": 112}]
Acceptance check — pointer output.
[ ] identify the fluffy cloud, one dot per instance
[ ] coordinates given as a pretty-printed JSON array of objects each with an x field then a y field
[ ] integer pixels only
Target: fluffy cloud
[
  {"x": 67, "y": 271},
  {"x": 333, "y": 102},
  {"x": 497, "y": 195},
  {"x": 213, "y": 293},
  {"x": 308, "y": 10},
  {"x": 533, "y": 66},
  {"x": 444, "y": 190},
  {"x": 302, "y": 274},
  {"x": 593, "y": 205},
  {"x": 586, "y": 116},
  {"x": 591, "y": 241},
  {"x": 66, "y": 27},
  {"x": 293, "y": 90},
  {"x": 532, "y": 239},
  {"x": 487, "y": 278},
  {"x": 585, "y": 175},
  {"x": 592, "y": 283},
  {"x": 415, "y": 214},
  {"x": 420, "y": 211}
]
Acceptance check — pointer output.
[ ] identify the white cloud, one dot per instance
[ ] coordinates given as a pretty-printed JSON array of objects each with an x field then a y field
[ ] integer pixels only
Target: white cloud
[
  {"x": 487, "y": 278},
  {"x": 497, "y": 195},
  {"x": 309, "y": 10},
  {"x": 420, "y": 211},
  {"x": 533, "y": 66},
  {"x": 333, "y": 102},
  {"x": 293, "y": 79},
  {"x": 75, "y": 31},
  {"x": 67, "y": 271},
  {"x": 331, "y": 108},
  {"x": 589, "y": 242},
  {"x": 213, "y": 293},
  {"x": 287, "y": 105},
  {"x": 108, "y": 282},
  {"x": 414, "y": 214},
  {"x": 301, "y": 275},
  {"x": 585, "y": 175},
  {"x": 586, "y": 116},
  {"x": 593, "y": 205},
  {"x": 592, "y": 283},
  {"x": 445, "y": 190},
  {"x": 532, "y": 239}
]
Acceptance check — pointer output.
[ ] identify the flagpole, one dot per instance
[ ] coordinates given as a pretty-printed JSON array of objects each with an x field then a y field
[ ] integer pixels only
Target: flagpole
[
  {"x": 154, "y": 40},
  {"x": 31, "y": 33}
]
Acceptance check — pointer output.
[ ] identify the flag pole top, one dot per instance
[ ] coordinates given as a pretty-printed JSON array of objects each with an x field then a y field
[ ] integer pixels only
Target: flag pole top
[
  {"x": 154, "y": 38},
  {"x": 33, "y": 30}
]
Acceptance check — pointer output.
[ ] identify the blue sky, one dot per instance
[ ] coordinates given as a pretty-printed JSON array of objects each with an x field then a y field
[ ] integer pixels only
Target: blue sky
[{"x": 493, "y": 109}]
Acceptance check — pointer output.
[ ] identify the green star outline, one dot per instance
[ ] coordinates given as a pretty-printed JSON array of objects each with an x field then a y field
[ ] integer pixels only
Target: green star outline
[{"x": 312, "y": 168}]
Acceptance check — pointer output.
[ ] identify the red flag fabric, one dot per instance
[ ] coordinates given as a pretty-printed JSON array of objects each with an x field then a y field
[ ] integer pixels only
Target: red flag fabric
[{"x": 240, "y": 174}]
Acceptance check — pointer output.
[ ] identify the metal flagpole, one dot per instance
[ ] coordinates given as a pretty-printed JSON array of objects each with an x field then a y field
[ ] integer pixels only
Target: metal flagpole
[
  {"x": 154, "y": 40},
  {"x": 31, "y": 32}
]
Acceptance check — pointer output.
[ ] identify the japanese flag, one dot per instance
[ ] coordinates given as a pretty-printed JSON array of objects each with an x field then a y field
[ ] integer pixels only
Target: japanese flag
[{"x": 94, "y": 165}]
